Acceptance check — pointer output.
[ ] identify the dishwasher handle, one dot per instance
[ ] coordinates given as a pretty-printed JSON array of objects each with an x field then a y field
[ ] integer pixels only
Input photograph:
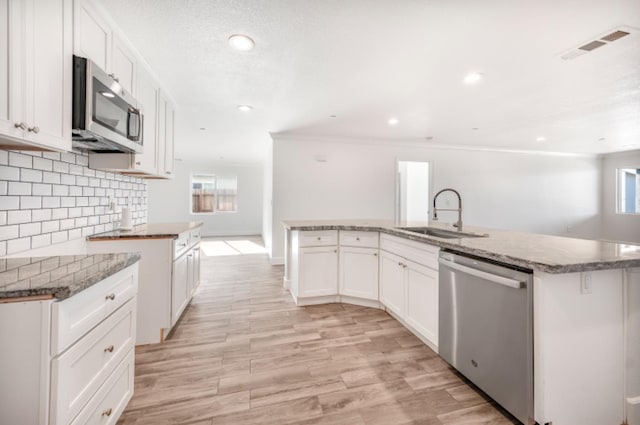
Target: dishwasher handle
[{"x": 512, "y": 283}]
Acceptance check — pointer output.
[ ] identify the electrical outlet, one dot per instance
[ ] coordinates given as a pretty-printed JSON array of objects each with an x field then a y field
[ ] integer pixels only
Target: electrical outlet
[{"x": 585, "y": 283}]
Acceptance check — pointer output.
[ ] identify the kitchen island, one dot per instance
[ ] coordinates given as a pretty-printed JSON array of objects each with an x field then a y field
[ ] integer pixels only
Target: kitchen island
[
  {"x": 67, "y": 326},
  {"x": 169, "y": 271},
  {"x": 586, "y": 301}
]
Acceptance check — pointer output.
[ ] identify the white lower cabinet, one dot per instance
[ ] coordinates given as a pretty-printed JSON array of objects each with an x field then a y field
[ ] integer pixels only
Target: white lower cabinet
[
  {"x": 359, "y": 272},
  {"x": 422, "y": 300},
  {"x": 180, "y": 288},
  {"x": 318, "y": 271},
  {"x": 88, "y": 379},
  {"x": 392, "y": 283}
]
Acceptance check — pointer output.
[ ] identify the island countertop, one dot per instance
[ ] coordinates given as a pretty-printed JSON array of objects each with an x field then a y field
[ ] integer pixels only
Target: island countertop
[
  {"x": 148, "y": 231},
  {"x": 546, "y": 253},
  {"x": 60, "y": 276}
]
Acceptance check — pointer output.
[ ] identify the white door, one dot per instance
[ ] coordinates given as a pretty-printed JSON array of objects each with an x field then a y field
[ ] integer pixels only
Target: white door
[
  {"x": 392, "y": 282},
  {"x": 359, "y": 272},
  {"x": 318, "y": 271},
  {"x": 422, "y": 301},
  {"x": 179, "y": 288},
  {"x": 49, "y": 72}
]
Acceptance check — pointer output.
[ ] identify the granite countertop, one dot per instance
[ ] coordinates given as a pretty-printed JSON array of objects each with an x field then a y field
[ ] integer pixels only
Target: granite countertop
[
  {"x": 58, "y": 277},
  {"x": 550, "y": 254},
  {"x": 148, "y": 231}
]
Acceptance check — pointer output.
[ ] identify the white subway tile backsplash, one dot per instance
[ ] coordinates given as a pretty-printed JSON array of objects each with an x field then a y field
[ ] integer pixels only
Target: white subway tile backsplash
[
  {"x": 27, "y": 175},
  {"x": 48, "y": 177},
  {"x": 19, "y": 216},
  {"x": 30, "y": 229},
  {"x": 20, "y": 160},
  {"x": 17, "y": 245},
  {"x": 19, "y": 188},
  {"x": 42, "y": 164},
  {"x": 41, "y": 215},
  {"x": 51, "y": 197},
  {"x": 9, "y": 173},
  {"x": 30, "y": 202},
  {"x": 42, "y": 189}
]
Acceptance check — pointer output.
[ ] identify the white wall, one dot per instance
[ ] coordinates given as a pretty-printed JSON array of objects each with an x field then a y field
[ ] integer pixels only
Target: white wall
[
  {"x": 169, "y": 199},
  {"x": 619, "y": 227},
  {"x": 267, "y": 213},
  {"x": 547, "y": 194}
]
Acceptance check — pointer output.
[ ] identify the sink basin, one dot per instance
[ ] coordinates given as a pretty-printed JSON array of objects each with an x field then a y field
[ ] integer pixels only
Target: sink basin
[{"x": 441, "y": 233}]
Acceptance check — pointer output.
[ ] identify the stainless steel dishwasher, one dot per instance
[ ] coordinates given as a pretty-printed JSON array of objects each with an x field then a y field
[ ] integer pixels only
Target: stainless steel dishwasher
[{"x": 486, "y": 328}]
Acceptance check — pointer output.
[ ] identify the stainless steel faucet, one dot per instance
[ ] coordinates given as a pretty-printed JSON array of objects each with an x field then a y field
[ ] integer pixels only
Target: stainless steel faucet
[{"x": 459, "y": 209}]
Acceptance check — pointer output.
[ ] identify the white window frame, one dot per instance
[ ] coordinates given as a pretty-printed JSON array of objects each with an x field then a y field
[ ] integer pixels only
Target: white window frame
[
  {"x": 619, "y": 208},
  {"x": 214, "y": 212}
]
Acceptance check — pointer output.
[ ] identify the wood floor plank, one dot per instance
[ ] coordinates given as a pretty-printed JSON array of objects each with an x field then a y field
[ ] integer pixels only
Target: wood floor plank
[{"x": 244, "y": 354}]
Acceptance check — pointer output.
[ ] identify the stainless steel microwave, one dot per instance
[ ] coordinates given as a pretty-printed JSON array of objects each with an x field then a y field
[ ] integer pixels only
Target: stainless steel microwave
[{"x": 106, "y": 118}]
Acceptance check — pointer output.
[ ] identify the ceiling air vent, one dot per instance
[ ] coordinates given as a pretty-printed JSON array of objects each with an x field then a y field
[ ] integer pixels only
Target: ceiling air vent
[{"x": 600, "y": 41}]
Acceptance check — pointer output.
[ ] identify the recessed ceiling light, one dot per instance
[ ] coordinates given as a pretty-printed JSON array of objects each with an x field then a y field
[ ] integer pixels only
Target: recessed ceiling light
[
  {"x": 393, "y": 121},
  {"x": 202, "y": 128},
  {"x": 241, "y": 42},
  {"x": 475, "y": 128},
  {"x": 332, "y": 116},
  {"x": 245, "y": 108},
  {"x": 541, "y": 139},
  {"x": 473, "y": 78},
  {"x": 108, "y": 94},
  {"x": 429, "y": 138}
]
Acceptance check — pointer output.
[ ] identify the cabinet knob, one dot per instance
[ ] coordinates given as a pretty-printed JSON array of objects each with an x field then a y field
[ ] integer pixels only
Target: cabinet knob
[
  {"x": 137, "y": 162},
  {"x": 357, "y": 238},
  {"x": 34, "y": 129},
  {"x": 116, "y": 79},
  {"x": 20, "y": 125},
  {"x": 319, "y": 238},
  {"x": 110, "y": 297},
  {"x": 109, "y": 349},
  {"x": 400, "y": 264},
  {"x": 375, "y": 254},
  {"x": 107, "y": 412},
  {"x": 168, "y": 172}
]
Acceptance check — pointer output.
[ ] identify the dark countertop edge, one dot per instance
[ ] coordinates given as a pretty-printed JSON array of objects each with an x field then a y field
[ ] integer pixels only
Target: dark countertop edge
[
  {"x": 542, "y": 267},
  {"x": 64, "y": 292}
]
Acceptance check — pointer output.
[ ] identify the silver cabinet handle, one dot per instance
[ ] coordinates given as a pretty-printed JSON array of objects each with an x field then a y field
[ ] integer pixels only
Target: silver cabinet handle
[
  {"x": 111, "y": 297},
  {"x": 107, "y": 412},
  {"x": 400, "y": 264},
  {"x": 168, "y": 172},
  {"x": 375, "y": 254},
  {"x": 109, "y": 349},
  {"x": 35, "y": 129},
  {"x": 116, "y": 79},
  {"x": 20, "y": 125},
  {"x": 137, "y": 162}
]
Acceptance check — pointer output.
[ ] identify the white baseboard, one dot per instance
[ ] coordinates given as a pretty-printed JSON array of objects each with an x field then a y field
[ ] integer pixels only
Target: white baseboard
[
  {"x": 286, "y": 283},
  {"x": 276, "y": 261}
]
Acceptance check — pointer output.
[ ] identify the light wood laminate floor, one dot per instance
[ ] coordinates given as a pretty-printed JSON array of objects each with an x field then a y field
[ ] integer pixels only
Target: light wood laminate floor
[{"x": 243, "y": 353}]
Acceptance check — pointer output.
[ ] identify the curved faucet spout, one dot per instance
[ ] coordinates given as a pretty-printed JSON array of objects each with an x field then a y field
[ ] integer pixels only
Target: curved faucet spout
[{"x": 459, "y": 209}]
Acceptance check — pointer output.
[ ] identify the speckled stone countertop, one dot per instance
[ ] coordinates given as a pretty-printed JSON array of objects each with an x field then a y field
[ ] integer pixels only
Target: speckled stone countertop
[
  {"x": 148, "y": 231},
  {"x": 550, "y": 254},
  {"x": 58, "y": 277}
]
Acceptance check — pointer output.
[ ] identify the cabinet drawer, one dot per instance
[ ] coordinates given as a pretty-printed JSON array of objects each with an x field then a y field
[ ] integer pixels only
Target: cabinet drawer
[
  {"x": 319, "y": 238},
  {"x": 421, "y": 253},
  {"x": 109, "y": 402},
  {"x": 78, "y": 314},
  {"x": 78, "y": 373},
  {"x": 180, "y": 245},
  {"x": 194, "y": 236},
  {"x": 363, "y": 239}
]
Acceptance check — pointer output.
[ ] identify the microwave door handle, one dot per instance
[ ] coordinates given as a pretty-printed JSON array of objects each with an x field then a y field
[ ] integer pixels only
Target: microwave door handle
[{"x": 138, "y": 118}]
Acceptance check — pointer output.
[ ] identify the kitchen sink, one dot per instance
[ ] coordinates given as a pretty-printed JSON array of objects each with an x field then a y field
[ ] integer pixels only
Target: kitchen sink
[{"x": 441, "y": 233}]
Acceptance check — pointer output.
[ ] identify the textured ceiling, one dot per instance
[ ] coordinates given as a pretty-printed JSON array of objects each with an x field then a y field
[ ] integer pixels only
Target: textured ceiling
[{"x": 368, "y": 60}]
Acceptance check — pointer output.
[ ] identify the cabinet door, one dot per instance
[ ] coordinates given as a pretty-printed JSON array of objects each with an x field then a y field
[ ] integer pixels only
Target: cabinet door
[
  {"x": 318, "y": 271},
  {"x": 169, "y": 140},
  {"x": 359, "y": 272},
  {"x": 179, "y": 288},
  {"x": 148, "y": 99},
  {"x": 196, "y": 266},
  {"x": 123, "y": 65},
  {"x": 92, "y": 35},
  {"x": 49, "y": 73},
  {"x": 162, "y": 132},
  {"x": 422, "y": 301},
  {"x": 392, "y": 282},
  {"x": 11, "y": 64}
]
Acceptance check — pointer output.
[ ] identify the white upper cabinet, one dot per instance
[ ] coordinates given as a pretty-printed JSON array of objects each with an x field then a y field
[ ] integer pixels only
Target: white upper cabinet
[
  {"x": 165, "y": 136},
  {"x": 148, "y": 99},
  {"x": 123, "y": 64},
  {"x": 36, "y": 74},
  {"x": 96, "y": 40}
]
